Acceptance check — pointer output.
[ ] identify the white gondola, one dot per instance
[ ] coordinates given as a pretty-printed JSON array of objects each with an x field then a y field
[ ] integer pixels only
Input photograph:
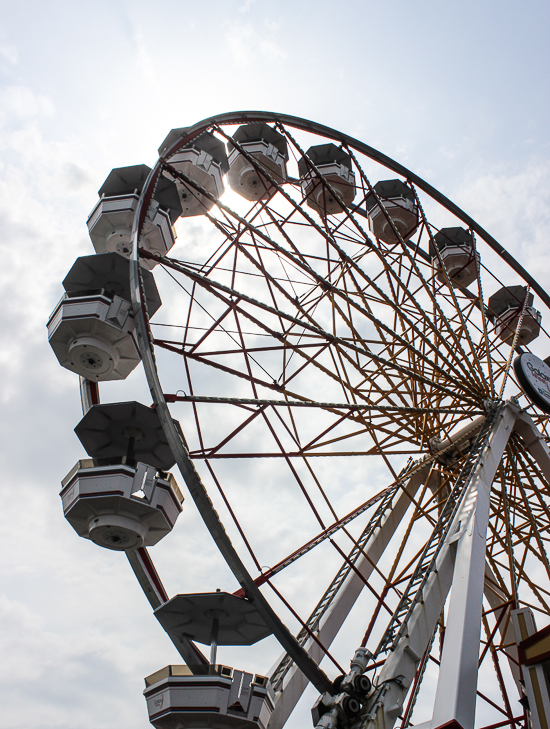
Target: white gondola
[
  {"x": 91, "y": 330},
  {"x": 122, "y": 497},
  {"x": 203, "y": 160},
  {"x": 93, "y": 335},
  {"x": 270, "y": 152},
  {"x": 223, "y": 698},
  {"x": 110, "y": 222},
  {"x": 507, "y": 307},
  {"x": 327, "y": 163},
  {"x": 453, "y": 251},
  {"x": 398, "y": 204},
  {"x": 212, "y": 695},
  {"x": 120, "y": 504}
]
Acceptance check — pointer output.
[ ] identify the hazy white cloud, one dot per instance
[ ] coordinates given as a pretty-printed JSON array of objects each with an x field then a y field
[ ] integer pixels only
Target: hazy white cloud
[
  {"x": 76, "y": 634},
  {"x": 251, "y": 44},
  {"x": 512, "y": 202},
  {"x": 144, "y": 57},
  {"x": 8, "y": 51},
  {"x": 245, "y": 7},
  {"x": 20, "y": 102}
]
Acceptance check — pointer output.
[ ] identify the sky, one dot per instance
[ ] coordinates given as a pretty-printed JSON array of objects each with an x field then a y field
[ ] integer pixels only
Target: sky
[{"x": 457, "y": 92}]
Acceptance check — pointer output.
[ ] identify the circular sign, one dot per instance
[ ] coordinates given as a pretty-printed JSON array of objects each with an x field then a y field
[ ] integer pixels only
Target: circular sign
[{"x": 534, "y": 377}]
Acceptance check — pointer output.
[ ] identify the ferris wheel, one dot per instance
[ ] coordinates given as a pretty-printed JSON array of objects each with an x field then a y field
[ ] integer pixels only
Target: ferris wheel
[{"x": 350, "y": 375}]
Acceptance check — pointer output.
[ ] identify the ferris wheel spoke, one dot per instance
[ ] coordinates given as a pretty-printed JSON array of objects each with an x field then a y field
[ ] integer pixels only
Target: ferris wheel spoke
[
  {"x": 535, "y": 499},
  {"x": 399, "y": 340},
  {"x": 457, "y": 307},
  {"x": 221, "y": 291},
  {"x": 523, "y": 535},
  {"x": 519, "y": 570},
  {"x": 490, "y": 635},
  {"x": 385, "y": 496},
  {"x": 424, "y": 284},
  {"x": 501, "y": 548},
  {"x": 400, "y": 312},
  {"x": 335, "y": 291},
  {"x": 223, "y": 368},
  {"x": 366, "y": 240}
]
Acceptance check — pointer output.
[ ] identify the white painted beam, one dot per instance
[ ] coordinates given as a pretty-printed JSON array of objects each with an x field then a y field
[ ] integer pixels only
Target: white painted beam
[
  {"x": 295, "y": 682},
  {"x": 456, "y": 691},
  {"x": 536, "y": 685},
  {"x": 496, "y": 597},
  {"x": 457, "y": 685}
]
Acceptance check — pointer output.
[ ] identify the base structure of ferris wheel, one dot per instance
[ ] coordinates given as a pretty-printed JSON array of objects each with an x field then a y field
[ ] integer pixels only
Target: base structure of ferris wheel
[{"x": 313, "y": 280}]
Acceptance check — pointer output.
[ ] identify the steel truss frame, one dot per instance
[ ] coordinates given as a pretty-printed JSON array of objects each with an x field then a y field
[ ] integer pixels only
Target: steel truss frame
[
  {"x": 457, "y": 565},
  {"x": 469, "y": 539}
]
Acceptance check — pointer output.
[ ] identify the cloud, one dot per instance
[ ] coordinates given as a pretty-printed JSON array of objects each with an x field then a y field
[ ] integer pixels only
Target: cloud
[
  {"x": 245, "y": 7},
  {"x": 249, "y": 43},
  {"x": 8, "y": 52},
  {"x": 513, "y": 204},
  {"x": 20, "y": 102},
  {"x": 511, "y": 201},
  {"x": 144, "y": 59}
]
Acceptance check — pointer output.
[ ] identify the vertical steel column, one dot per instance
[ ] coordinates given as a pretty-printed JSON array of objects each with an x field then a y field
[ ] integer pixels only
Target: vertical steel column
[
  {"x": 455, "y": 698},
  {"x": 460, "y": 562},
  {"x": 536, "y": 686}
]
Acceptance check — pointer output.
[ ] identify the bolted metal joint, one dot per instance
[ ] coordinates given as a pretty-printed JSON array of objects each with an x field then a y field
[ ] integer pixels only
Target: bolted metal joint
[
  {"x": 350, "y": 694},
  {"x": 491, "y": 406},
  {"x": 331, "y": 712},
  {"x": 356, "y": 683},
  {"x": 329, "y": 720}
]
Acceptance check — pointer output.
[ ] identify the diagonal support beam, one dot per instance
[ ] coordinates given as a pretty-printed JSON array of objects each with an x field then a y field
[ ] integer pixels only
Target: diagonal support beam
[
  {"x": 460, "y": 563},
  {"x": 295, "y": 682},
  {"x": 455, "y": 697}
]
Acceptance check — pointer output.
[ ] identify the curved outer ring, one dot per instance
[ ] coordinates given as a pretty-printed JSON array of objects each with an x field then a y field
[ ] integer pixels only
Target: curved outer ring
[
  {"x": 197, "y": 490},
  {"x": 309, "y": 126}
]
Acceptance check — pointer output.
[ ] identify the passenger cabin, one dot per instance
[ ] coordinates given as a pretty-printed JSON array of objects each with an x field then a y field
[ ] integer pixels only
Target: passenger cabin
[
  {"x": 453, "y": 251},
  {"x": 398, "y": 204},
  {"x": 110, "y": 222},
  {"x": 328, "y": 181},
  {"x": 202, "y": 163},
  {"x": 91, "y": 330},
  {"x": 216, "y": 696},
  {"x": 122, "y": 497},
  {"x": 120, "y": 503},
  {"x": 262, "y": 148},
  {"x": 505, "y": 308}
]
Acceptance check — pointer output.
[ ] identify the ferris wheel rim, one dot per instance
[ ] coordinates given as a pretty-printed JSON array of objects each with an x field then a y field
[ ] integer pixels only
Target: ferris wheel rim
[
  {"x": 313, "y": 672},
  {"x": 236, "y": 117}
]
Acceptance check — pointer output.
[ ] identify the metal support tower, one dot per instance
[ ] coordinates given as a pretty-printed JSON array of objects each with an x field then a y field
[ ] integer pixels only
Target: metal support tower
[{"x": 453, "y": 570}]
